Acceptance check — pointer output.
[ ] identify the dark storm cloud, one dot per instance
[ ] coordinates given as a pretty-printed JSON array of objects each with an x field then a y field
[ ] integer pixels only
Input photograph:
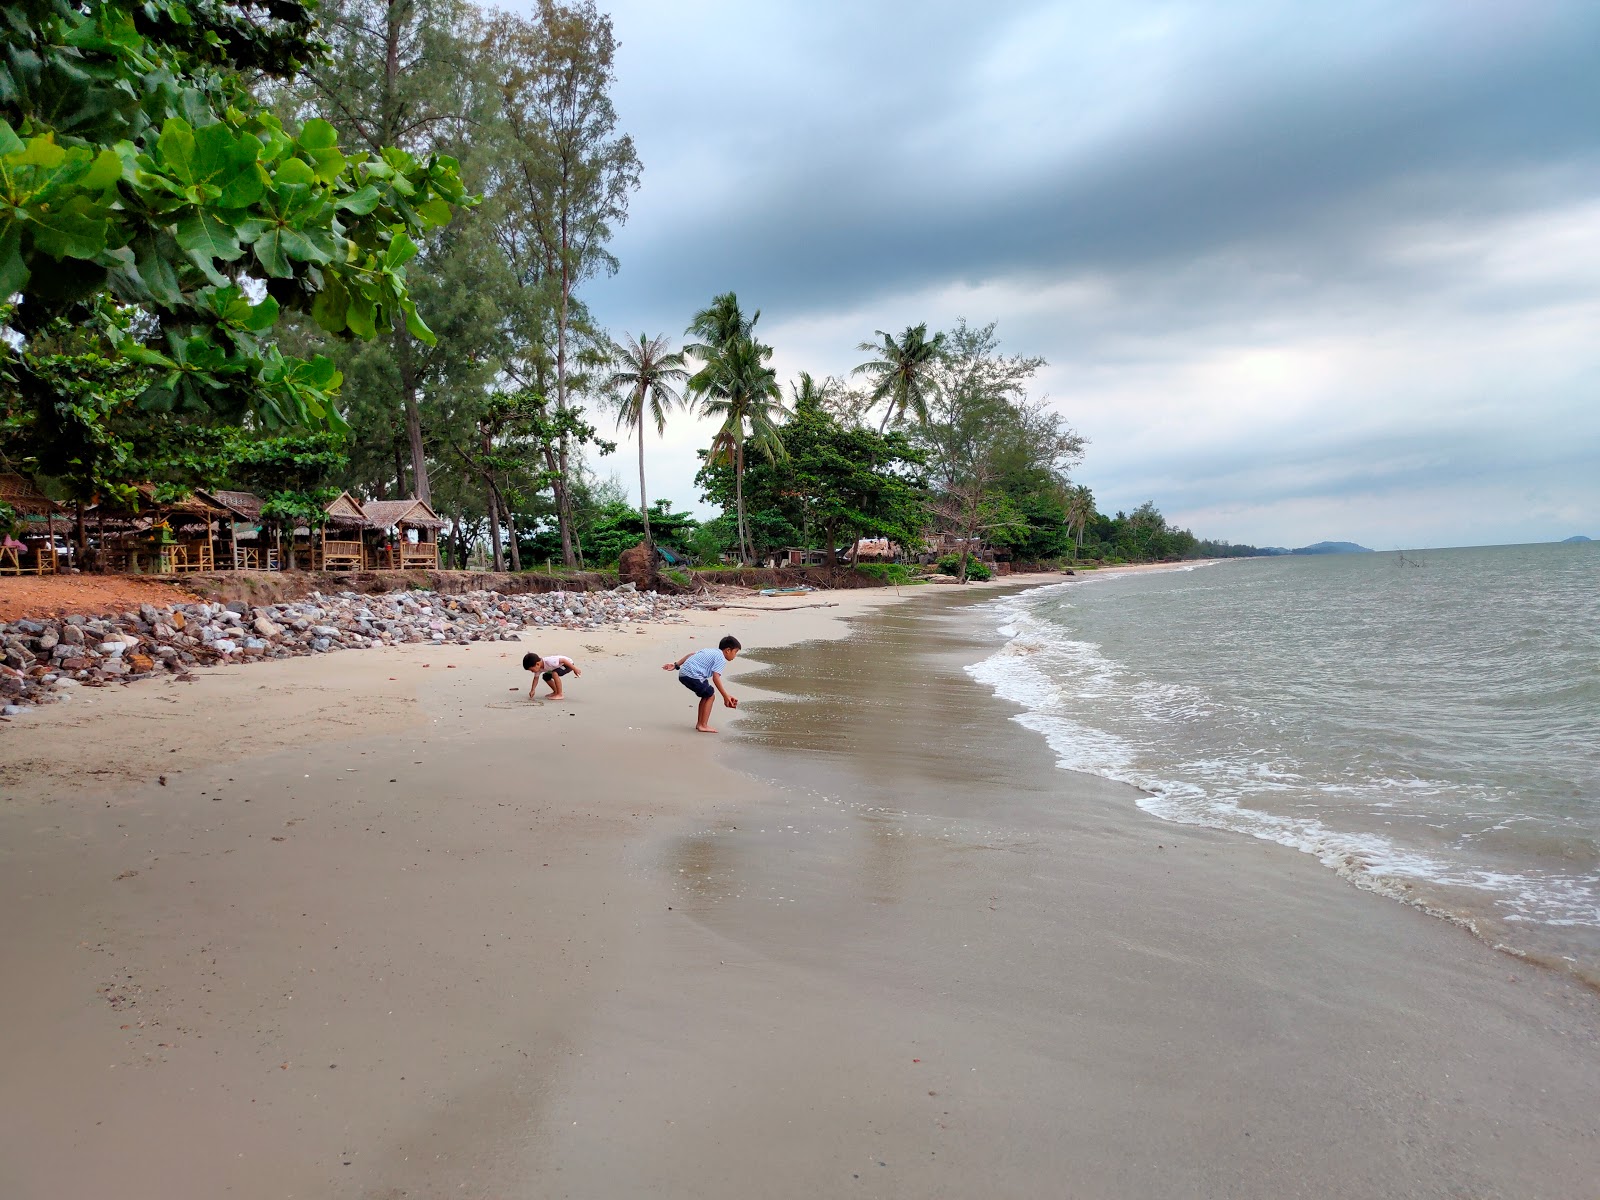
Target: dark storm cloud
[
  {"x": 1334, "y": 264},
  {"x": 1300, "y": 154}
]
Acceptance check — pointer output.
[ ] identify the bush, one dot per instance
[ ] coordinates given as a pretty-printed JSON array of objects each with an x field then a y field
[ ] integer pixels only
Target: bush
[
  {"x": 898, "y": 574},
  {"x": 977, "y": 569}
]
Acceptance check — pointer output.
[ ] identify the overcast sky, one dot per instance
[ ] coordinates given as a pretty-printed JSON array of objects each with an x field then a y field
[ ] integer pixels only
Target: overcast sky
[{"x": 1301, "y": 270}]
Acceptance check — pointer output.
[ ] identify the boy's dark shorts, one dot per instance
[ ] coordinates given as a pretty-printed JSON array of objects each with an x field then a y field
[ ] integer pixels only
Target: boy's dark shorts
[
  {"x": 549, "y": 675},
  {"x": 700, "y": 687}
]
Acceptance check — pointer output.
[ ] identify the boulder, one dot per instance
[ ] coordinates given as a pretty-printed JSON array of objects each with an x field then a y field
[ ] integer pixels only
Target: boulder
[{"x": 637, "y": 566}]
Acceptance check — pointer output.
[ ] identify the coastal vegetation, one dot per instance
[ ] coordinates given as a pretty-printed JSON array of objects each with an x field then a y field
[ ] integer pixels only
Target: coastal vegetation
[{"x": 300, "y": 249}]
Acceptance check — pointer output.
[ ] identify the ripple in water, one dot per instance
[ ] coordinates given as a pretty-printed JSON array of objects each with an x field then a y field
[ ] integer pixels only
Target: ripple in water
[{"x": 1431, "y": 732}]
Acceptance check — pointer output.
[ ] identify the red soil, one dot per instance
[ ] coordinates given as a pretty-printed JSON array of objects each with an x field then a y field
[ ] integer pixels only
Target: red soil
[{"x": 93, "y": 595}]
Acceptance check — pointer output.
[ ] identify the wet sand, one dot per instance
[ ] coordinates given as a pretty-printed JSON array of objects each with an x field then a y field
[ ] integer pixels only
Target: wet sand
[{"x": 462, "y": 945}]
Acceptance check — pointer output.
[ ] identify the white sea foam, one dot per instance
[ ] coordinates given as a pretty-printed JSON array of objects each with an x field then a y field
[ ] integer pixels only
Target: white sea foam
[{"x": 1099, "y": 718}]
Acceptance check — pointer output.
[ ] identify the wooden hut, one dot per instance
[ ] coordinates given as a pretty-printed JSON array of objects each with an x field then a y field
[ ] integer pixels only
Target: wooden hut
[
  {"x": 338, "y": 545},
  {"x": 405, "y": 534},
  {"x": 160, "y": 537},
  {"x": 247, "y": 550},
  {"x": 36, "y": 552}
]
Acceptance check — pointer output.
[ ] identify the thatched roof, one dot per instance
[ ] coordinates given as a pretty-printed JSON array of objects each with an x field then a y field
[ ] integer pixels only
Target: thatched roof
[
  {"x": 195, "y": 504},
  {"x": 388, "y": 514},
  {"x": 344, "y": 510},
  {"x": 23, "y": 496},
  {"x": 246, "y": 504}
]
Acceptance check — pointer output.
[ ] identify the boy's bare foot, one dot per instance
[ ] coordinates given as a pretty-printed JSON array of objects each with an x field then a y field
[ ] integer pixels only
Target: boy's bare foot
[{"x": 704, "y": 729}]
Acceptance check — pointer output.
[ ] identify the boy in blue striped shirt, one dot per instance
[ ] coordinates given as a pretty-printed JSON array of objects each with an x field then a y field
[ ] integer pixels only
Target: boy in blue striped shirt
[{"x": 701, "y": 673}]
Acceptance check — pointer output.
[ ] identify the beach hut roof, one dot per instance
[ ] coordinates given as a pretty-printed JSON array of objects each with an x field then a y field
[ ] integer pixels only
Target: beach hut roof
[
  {"x": 197, "y": 504},
  {"x": 246, "y": 504},
  {"x": 22, "y": 495},
  {"x": 387, "y": 514},
  {"x": 345, "y": 510}
]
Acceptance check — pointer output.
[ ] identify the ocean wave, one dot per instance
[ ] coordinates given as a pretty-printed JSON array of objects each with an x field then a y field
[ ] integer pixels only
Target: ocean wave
[{"x": 1060, "y": 679}]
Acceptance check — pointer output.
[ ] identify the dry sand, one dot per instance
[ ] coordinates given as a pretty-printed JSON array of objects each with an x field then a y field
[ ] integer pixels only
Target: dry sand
[{"x": 388, "y": 930}]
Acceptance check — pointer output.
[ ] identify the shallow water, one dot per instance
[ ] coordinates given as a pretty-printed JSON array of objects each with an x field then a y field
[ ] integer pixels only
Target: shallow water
[{"x": 1430, "y": 730}]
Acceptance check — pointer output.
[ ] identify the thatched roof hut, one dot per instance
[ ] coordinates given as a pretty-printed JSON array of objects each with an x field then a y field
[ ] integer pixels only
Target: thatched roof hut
[
  {"x": 401, "y": 514},
  {"x": 345, "y": 511},
  {"x": 245, "y": 505},
  {"x": 418, "y": 526},
  {"x": 21, "y": 494}
]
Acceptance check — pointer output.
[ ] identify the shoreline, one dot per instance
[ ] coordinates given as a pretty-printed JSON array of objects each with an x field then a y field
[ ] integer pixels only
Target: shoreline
[{"x": 387, "y": 927}]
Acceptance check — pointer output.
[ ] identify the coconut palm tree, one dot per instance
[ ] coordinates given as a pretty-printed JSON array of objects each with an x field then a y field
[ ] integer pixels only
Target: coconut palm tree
[
  {"x": 643, "y": 376},
  {"x": 1080, "y": 507},
  {"x": 740, "y": 389},
  {"x": 715, "y": 328},
  {"x": 902, "y": 374}
]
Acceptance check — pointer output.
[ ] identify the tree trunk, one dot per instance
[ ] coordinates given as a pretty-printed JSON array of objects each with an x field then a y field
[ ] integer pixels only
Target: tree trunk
[
  {"x": 408, "y": 394},
  {"x": 738, "y": 502},
  {"x": 644, "y": 505},
  {"x": 493, "y": 506},
  {"x": 399, "y": 473},
  {"x": 511, "y": 529},
  {"x": 563, "y": 500}
]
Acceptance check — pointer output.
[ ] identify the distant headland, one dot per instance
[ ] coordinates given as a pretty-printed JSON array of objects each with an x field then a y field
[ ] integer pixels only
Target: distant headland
[{"x": 1577, "y": 537}]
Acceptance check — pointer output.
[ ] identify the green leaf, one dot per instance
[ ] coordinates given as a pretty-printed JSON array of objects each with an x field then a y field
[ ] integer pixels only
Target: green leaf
[
  {"x": 436, "y": 211},
  {"x": 417, "y": 327},
  {"x": 294, "y": 173},
  {"x": 175, "y": 147},
  {"x": 319, "y": 142},
  {"x": 67, "y": 234},
  {"x": 205, "y": 238},
  {"x": 40, "y": 152},
  {"x": 358, "y": 315},
  {"x": 270, "y": 253},
  {"x": 10, "y": 143},
  {"x": 262, "y": 316},
  {"x": 104, "y": 171},
  {"x": 14, "y": 271},
  {"x": 401, "y": 251},
  {"x": 302, "y": 245},
  {"x": 362, "y": 201},
  {"x": 328, "y": 309}
]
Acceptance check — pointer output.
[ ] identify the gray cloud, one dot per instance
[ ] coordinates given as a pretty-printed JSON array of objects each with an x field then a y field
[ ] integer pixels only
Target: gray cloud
[{"x": 1284, "y": 259}]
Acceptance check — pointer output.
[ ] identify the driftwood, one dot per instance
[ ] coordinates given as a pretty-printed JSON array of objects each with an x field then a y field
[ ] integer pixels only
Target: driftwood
[{"x": 766, "y": 608}]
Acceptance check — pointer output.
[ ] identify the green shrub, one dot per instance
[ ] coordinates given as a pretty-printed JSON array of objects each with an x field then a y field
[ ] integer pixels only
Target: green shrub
[
  {"x": 977, "y": 569},
  {"x": 897, "y": 574}
]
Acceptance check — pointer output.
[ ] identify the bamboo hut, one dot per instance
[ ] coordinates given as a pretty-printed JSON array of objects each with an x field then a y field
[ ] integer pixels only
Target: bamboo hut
[
  {"x": 338, "y": 545},
  {"x": 160, "y": 537},
  {"x": 35, "y": 553},
  {"x": 246, "y": 551},
  {"x": 407, "y": 534}
]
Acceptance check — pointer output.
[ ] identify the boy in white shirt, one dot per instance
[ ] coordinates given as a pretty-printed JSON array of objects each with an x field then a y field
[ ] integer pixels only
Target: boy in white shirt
[{"x": 551, "y": 667}]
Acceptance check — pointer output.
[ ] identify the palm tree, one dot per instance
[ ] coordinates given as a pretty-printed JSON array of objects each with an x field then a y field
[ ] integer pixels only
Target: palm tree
[
  {"x": 643, "y": 374},
  {"x": 1080, "y": 507},
  {"x": 902, "y": 374},
  {"x": 715, "y": 328},
  {"x": 739, "y": 388}
]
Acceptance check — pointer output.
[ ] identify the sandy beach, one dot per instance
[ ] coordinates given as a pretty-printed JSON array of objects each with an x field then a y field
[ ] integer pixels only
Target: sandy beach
[{"x": 373, "y": 925}]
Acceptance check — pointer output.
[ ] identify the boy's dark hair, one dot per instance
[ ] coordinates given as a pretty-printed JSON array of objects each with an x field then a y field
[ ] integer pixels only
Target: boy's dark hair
[
  {"x": 528, "y": 660},
  {"x": 729, "y": 643}
]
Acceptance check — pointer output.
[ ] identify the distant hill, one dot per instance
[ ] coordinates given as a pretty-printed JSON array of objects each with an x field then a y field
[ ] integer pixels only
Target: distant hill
[
  {"x": 1331, "y": 548},
  {"x": 1577, "y": 537}
]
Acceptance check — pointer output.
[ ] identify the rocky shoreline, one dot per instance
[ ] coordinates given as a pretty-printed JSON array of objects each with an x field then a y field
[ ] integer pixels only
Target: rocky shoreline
[{"x": 45, "y": 659}]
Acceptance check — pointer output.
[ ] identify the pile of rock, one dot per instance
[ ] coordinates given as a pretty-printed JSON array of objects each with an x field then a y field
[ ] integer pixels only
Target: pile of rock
[{"x": 45, "y": 659}]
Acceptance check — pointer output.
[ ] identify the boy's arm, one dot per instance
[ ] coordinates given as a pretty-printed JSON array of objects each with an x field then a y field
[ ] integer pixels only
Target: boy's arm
[
  {"x": 716, "y": 679},
  {"x": 675, "y": 666}
]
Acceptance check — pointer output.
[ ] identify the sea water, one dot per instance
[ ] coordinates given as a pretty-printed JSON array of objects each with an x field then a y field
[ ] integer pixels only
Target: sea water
[{"x": 1427, "y": 724}]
